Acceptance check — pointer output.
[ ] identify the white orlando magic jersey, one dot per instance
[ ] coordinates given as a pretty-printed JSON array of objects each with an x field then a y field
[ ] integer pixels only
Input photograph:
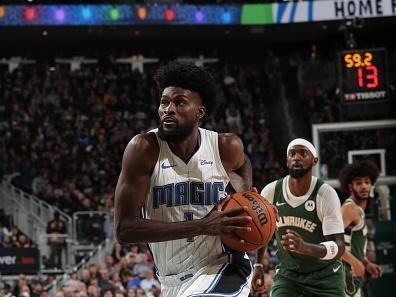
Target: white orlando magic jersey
[{"x": 179, "y": 192}]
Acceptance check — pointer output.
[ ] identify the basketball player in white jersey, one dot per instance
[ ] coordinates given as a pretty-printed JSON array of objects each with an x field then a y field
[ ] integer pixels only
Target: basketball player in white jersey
[
  {"x": 358, "y": 180},
  {"x": 172, "y": 187}
]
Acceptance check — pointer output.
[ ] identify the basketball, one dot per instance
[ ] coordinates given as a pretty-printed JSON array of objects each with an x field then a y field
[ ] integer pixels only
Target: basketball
[{"x": 263, "y": 222}]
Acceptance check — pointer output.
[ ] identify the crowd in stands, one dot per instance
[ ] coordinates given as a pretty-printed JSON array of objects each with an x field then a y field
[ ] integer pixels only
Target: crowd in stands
[
  {"x": 12, "y": 237},
  {"x": 65, "y": 132}
]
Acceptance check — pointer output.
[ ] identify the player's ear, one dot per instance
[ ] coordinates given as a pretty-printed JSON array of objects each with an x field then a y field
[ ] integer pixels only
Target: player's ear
[
  {"x": 350, "y": 188},
  {"x": 315, "y": 161},
  {"x": 201, "y": 112}
]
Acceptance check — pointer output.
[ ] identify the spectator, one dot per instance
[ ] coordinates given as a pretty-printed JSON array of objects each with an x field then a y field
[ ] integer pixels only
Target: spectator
[
  {"x": 109, "y": 263},
  {"x": 104, "y": 281},
  {"x": 140, "y": 268},
  {"x": 73, "y": 282},
  {"x": 25, "y": 291},
  {"x": 14, "y": 233},
  {"x": 7, "y": 242},
  {"x": 37, "y": 288},
  {"x": 93, "y": 291},
  {"x": 22, "y": 242},
  {"x": 39, "y": 183},
  {"x": 50, "y": 280},
  {"x": 93, "y": 271},
  {"x": 86, "y": 276},
  {"x": 68, "y": 291},
  {"x": 149, "y": 282},
  {"x": 131, "y": 292},
  {"x": 233, "y": 119},
  {"x": 108, "y": 293},
  {"x": 56, "y": 229},
  {"x": 3, "y": 232},
  {"x": 109, "y": 224},
  {"x": 118, "y": 252},
  {"x": 7, "y": 291},
  {"x": 129, "y": 280},
  {"x": 22, "y": 283}
]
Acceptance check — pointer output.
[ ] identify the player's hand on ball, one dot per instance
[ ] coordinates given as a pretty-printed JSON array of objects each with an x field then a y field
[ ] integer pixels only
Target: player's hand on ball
[
  {"x": 219, "y": 206},
  {"x": 219, "y": 222},
  {"x": 258, "y": 283},
  {"x": 293, "y": 242}
]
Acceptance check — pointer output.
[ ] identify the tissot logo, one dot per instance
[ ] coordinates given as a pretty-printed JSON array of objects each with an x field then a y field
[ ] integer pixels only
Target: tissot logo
[{"x": 206, "y": 162}]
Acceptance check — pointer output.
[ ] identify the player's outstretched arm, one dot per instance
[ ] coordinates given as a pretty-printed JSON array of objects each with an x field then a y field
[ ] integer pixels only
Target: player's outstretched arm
[{"x": 131, "y": 193}]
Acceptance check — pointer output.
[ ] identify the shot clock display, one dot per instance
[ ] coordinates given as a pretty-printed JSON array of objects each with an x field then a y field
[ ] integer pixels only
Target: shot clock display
[{"x": 363, "y": 75}]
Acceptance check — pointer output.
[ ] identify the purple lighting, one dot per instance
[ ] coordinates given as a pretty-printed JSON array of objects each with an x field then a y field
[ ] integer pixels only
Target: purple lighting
[
  {"x": 60, "y": 15},
  {"x": 199, "y": 16}
]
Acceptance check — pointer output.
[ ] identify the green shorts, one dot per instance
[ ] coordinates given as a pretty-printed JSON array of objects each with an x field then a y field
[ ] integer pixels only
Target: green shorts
[{"x": 328, "y": 282}]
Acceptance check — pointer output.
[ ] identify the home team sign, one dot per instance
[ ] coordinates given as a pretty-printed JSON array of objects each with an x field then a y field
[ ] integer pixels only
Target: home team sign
[{"x": 315, "y": 11}]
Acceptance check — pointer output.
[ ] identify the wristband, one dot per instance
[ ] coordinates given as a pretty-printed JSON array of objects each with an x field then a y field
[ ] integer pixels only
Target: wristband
[
  {"x": 331, "y": 250},
  {"x": 255, "y": 265}
]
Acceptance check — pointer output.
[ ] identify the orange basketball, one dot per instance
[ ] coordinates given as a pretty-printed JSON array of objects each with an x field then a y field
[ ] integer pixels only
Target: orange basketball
[{"x": 263, "y": 222}]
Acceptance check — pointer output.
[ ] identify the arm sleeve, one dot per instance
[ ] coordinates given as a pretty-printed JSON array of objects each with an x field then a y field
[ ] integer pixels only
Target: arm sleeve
[
  {"x": 330, "y": 211},
  {"x": 269, "y": 191}
]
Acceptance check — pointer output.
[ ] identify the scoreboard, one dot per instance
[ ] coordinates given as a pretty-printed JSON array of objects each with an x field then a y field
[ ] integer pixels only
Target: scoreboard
[{"x": 363, "y": 75}]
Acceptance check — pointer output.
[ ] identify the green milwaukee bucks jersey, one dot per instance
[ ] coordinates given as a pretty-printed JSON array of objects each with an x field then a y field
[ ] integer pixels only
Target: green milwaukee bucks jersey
[
  {"x": 356, "y": 236},
  {"x": 305, "y": 221}
]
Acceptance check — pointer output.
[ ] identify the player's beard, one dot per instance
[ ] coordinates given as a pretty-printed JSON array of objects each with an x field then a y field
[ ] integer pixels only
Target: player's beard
[
  {"x": 299, "y": 173},
  {"x": 178, "y": 133},
  {"x": 357, "y": 195}
]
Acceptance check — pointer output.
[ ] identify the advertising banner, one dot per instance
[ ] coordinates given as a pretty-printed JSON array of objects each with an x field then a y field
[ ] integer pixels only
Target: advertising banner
[{"x": 19, "y": 260}]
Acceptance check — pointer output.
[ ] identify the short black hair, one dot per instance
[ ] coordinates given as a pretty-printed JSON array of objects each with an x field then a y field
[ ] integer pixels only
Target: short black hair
[
  {"x": 191, "y": 77},
  {"x": 358, "y": 169}
]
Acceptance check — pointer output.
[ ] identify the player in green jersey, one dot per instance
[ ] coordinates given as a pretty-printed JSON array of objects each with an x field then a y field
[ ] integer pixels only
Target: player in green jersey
[
  {"x": 310, "y": 234},
  {"x": 357, "y": 179}
]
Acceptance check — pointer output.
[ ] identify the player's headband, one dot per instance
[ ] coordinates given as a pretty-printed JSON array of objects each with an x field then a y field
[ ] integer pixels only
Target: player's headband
[{"x": 303, "y": 142}]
